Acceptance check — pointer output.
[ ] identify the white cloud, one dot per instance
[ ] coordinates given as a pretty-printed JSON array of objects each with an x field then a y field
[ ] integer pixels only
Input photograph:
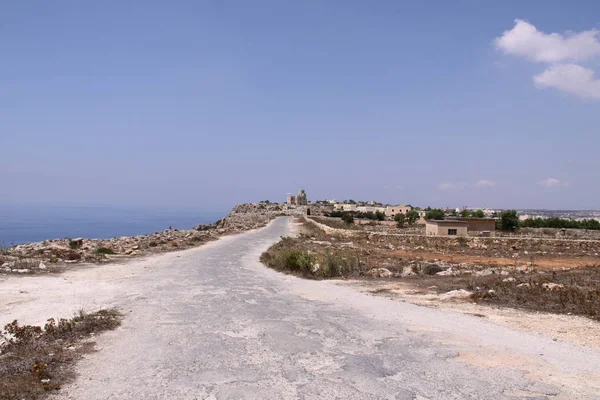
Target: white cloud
[
  {"x": 570, "y": 78},
  {"x": 558, "y": 50},
  {"x": 525, "y": 40},
  {"x": 484, "y": 183},
  {"x": 451, "y": 186},
  {"x": 551, "y": 182}
]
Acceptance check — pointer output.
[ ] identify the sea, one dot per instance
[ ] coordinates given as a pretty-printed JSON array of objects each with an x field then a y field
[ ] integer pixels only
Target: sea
[{"x": 33, "y": 223}]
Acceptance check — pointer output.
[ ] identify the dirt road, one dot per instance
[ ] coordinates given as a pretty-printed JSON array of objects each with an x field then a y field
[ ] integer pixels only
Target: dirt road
[{"x": 213, "y": 323}]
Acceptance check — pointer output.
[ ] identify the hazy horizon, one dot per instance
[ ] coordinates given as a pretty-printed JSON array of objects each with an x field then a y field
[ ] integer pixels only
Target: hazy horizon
[{"x": 205, "y": 105}]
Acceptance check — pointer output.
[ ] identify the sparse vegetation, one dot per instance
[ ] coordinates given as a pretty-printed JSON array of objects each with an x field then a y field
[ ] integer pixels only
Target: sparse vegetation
[
  {"x": 509, "y": 221},
  {"x": 336, "y": 223},
  {"x": 348, "y": 219},
  {"x": 435, "y": 214},
  {"x": 104, "y": 251},
  {"x": 72, "y": 256},
  {"x": 561, "y": 223},
  {"x": 400, "y": 218},
  {"x": 291, "y": 255},
  {"x": 37, "y": 360},
  {"x": 412, "y": 216},
  {"x": 374, "y": 216},
  {"x": 532, "y": 282},
  {"x": 576, "y": 291}
]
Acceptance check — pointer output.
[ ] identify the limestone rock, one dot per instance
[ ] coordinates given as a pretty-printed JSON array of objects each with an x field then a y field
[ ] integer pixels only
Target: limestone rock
[{"x": 380, "y": 272}]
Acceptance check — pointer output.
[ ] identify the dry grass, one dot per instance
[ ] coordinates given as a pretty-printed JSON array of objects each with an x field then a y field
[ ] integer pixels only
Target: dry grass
[
  {"x": 566, "y": 292},
  {"x": 337, "y": 223},
  {"x": 24, "y": 265},
  {"x": 296, "y": 256},
  {"x": 36, "y": 360},
  {"x": 575, "y": 291}
]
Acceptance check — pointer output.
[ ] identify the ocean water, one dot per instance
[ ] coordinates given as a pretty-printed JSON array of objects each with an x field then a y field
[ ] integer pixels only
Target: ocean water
[{"x": 21, "y": 224}]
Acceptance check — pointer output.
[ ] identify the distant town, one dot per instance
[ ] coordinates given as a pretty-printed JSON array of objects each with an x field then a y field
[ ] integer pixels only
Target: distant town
[
  {"x": 459, "y": 221},
  {"x": 390, "y": 210}
]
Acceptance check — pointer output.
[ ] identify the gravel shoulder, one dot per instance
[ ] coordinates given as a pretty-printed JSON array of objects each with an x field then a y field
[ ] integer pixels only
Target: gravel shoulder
[{"x": 213, "y": 323}]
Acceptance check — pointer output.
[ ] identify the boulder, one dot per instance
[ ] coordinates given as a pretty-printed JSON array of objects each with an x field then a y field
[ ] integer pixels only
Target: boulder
[
  {"x": 456, "y": 294},
  {"x": 432, "y": 269},
  {"x": 408, "y": 271},
  {"x": 380, "y": 272},
  {"x": 552, "y": 286}
]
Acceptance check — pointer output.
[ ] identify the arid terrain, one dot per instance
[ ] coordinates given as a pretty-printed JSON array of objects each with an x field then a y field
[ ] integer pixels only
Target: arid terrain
[{"x": 212, "y": 322}]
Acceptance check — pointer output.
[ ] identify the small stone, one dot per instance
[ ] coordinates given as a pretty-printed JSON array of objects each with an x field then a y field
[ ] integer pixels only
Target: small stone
[
  {"x": 552, "y": 286},
  {"x": 456, "y": 294},
  {"x": 380, "y": 272},
  {"x": 42, "y": 266}
]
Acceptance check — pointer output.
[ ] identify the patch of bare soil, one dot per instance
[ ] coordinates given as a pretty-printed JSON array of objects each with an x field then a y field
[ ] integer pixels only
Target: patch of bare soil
[
  {"x": 561, "y": 327},
  {"x": 542, "y": 284},
  {"x": 548, "y": 263}
]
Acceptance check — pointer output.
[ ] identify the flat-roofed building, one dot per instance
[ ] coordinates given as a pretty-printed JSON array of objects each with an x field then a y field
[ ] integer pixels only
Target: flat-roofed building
[
  {"x": 446, "y": 227},
  {"x": 390, "y": 211},
  {"x": 462, "y": 227},
  {"x": 480, "y": 226}
]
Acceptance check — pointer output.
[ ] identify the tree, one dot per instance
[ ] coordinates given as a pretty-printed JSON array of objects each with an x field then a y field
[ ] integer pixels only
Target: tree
[
  {"x": 400, "y": 218},
  {"x": 509, "y": 221},
  {"x": 348, "y": 218},
  {"x": 380, "y": 215},
  {"x": 412, "y": 216},
  {"x": 465, "y": 213},
  {"x": 478, "y": 214},
  {"x": 453, "y": 213},
  {"x": 435, "y": 213}
]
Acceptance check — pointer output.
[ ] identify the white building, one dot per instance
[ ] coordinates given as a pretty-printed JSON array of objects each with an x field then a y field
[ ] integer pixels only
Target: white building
[{"x": 370, "y": 209}]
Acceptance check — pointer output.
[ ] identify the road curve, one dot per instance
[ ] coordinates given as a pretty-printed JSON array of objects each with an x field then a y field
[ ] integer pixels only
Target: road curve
[{"x": 213, "y": 323}]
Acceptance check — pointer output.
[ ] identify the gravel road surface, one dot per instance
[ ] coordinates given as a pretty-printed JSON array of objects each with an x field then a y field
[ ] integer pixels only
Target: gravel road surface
[{"x": 213, "y": 323}]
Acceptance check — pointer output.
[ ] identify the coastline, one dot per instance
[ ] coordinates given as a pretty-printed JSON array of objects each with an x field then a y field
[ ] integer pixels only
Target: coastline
[{"x": 56, "y": 255}]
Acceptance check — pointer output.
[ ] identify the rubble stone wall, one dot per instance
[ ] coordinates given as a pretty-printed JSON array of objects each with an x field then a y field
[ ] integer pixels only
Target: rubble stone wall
[{"x": 492, "y": 246}]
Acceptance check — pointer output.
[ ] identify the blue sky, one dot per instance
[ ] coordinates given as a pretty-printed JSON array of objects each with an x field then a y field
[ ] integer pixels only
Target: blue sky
[{"x": 204, "y": 104}]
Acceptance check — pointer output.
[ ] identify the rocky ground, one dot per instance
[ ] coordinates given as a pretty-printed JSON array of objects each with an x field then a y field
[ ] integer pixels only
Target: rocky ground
[
  {"x": 212, "y": 322},
  {"x": 555, "y": 276},
  {"x": 54, "y": 255}
]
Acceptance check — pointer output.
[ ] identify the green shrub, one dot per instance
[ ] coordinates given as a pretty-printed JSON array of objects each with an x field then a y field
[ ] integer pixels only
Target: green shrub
[
  {"x": 72, "y": 256},
  {"x": 299, "y": 261},
  {"x": 104, "y": 251},
  {"x": 348, "y": 219}
]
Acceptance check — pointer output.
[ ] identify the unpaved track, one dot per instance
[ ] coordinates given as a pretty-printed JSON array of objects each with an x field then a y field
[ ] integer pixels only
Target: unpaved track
[{"x": 213, "y": 323}]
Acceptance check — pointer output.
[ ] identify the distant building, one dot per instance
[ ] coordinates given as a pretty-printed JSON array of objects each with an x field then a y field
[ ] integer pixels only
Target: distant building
[
  {"x": 349, "y": 207},
  {"x": 480, "y": 226},
  {"x": 391, "y": 211},
  {"x": 422, "y": 214},
  {"x": 298, "y": 200},
  {"x": 461, "y": 227},
  {"x": 372, "y": 209},
  {"x": 446, "y": 227}
]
